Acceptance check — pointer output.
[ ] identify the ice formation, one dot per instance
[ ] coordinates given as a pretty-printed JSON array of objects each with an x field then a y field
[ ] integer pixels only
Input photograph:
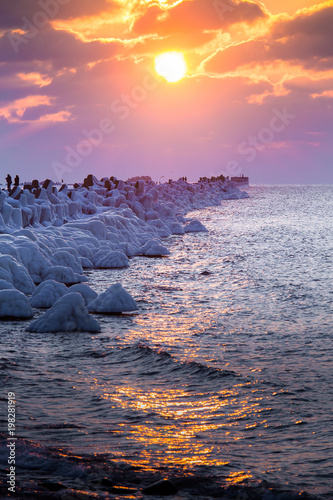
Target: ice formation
[
  {"x": 114, "y": 300},
  {"x": 87, "y": 293},
  {"x": 68, "y": 314},
  {"x": 14, "y": 304},
  {"x": 51, "y": 234},
  {"x": 194, "y": 226},
  {"x": 16, "y": 274},
  {"x": 4, "y": 285},
  {"x": 47, "y": 293}
]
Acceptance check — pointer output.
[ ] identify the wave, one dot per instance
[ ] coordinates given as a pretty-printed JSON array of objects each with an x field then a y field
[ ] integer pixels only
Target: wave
[{"x": 150, "y": 361}]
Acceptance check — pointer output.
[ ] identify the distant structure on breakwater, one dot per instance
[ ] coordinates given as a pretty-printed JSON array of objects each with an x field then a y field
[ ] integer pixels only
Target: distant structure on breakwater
[{"x": 241, "y": 180}]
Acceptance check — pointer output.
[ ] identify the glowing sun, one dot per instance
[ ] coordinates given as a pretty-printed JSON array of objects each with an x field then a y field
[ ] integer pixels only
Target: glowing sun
[{"x": 171, "y": 66}]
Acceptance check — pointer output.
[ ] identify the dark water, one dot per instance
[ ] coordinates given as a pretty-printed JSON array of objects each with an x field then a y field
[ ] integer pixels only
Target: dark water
[{"x": 226, "y": 373}]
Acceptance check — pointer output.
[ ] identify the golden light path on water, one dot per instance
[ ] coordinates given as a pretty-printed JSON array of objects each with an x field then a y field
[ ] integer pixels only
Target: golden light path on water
[
  {"x": 183, "y": 426},
  {"x": 181, "y": 442}
]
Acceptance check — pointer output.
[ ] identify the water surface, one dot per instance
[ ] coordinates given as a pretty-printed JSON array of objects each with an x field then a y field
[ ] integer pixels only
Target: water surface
[{"x": 226, "y": 370}]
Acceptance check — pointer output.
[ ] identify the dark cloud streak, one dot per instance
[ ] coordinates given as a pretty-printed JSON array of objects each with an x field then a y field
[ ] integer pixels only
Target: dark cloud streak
[{"x": 12, "y": 11}]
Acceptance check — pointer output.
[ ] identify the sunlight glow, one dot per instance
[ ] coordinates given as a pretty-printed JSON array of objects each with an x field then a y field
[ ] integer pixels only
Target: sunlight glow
[{"x": 171, "y": 66}]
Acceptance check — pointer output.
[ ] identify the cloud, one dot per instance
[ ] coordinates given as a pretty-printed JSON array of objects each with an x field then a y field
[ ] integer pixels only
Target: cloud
[
  {"x": 58, "y": 47},
  {"x": 12, "y": 12},
  {"x": 309, "y": 86},
  {"x": 195, "y": 16},
  {"x": 15, "y": 110},
  {"x": 306, "y": 39}
]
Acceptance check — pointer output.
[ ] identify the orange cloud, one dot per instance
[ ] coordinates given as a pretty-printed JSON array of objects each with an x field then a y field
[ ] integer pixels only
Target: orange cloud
[
  {"x": 305, "y": 40},
  {"x": 32, "y": 108}
]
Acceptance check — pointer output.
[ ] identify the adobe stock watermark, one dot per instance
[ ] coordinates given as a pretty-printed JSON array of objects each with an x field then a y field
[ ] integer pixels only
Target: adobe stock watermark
[
  {"x": 253, "y": 144},
  {"x": 31, "y": 27},
  {"x": 121, "y": 108},
  {"x": 11, "y": 442}
]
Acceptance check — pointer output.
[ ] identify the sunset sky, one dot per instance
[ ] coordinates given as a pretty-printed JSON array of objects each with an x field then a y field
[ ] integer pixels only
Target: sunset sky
[{"x": 79, "y": 92}]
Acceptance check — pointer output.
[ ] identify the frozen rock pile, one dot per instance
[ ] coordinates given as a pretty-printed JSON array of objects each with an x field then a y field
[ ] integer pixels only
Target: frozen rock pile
[
  {"x": 68, "y": 314},
  {"x": 48, "y": 236},
  {"x": 114, "y": 300}
]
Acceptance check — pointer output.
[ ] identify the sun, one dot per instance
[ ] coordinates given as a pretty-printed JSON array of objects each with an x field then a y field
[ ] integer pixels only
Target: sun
[{"x": 171, "y": 66}]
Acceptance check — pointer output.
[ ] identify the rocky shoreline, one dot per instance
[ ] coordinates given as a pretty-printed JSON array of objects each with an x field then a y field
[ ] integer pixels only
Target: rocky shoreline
[{"x": 49, "y": 237}]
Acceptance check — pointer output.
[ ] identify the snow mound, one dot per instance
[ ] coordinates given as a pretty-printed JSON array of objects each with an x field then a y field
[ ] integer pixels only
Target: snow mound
[
  {"x": 87, "y": 293},
  {"x": 14, "y": 273},
  {"x": 194, "y": 226},
  {"x": 47, "y": 293},
  {"x": 4, "y": 285},
  {"x": 64, "y": 275},
  {"x": 109, "y": 260},
  {"x": 66, "y": 259},
  {"x": 114, "y": 300},
  {"x": 14, "y": 304},
  {"x": 32, "y": 258},
  {"x": 153, "y": 248},
  {"x": 68, "y": 314}
]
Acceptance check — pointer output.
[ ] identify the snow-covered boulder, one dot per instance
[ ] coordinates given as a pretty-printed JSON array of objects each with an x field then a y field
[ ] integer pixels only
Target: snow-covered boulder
[
  {"x": 86, "y": 263},
  {"x": 6, "y": 212},
  {"x": 32, "y": 258},
  {"x": 4, "y": 285},
  {"x": 16, "y": 274},
  {"x": 47, "y": 293},
  {"x": 114, "y": 300},
  {"x": 176, "y": 228},
  {"x": 87, "y": 293},
  {"x": 14, "y": 304},
  {"x": 68, "y": 314},
  {"x": 95, "y": 227},
  {"x": 108, "y": 260},
  {"x": 153, "y": 248},
  {"x": 65, "y": 258},
  {"x": 64, "y": 275},
  {"x": 194, "y": 226}
]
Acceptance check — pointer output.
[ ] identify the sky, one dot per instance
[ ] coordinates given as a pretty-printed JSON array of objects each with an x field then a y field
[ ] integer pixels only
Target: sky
[{"x": 79, "y": 92}]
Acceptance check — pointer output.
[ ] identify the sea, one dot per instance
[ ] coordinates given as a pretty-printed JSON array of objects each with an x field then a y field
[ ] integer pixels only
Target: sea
[{"x": 222, "y": 381}]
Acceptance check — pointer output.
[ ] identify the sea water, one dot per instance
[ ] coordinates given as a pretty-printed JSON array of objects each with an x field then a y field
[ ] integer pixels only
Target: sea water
[{"x": 226, "y": 371}]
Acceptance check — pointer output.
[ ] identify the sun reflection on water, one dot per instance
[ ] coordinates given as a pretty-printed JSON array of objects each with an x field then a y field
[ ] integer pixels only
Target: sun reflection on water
[{"x": 178, "y": 430}]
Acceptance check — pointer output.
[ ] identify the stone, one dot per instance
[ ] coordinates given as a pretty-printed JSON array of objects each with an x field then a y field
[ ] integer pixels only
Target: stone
[
  {"x": 15, "y": 192},
  {"x": 53, "y": 486},
  {"x": 165, "y": 487},
  {"x": 48, "y": 185}
]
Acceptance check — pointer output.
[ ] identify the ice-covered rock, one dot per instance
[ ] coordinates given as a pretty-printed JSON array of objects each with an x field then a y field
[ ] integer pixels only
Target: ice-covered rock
[
  {"x": 176, "y": 228},
  {"x": 194, "y": 226},
  {"x": 64, "y": 275},
  {"x": 153, "y": 248},
  {"x": 4, "y": 285},
  {"x": 33, "y": 258},
  {"x": 108, "y": 260},
  {"x": 95, "y": 227},
  {"x": 13, "y": 272},
  {"x": 86, "y": 263},
  {"x": 47, "y": 293},
  {"x": 87, "y": 293},
  {"x": 65, "y": 258},
  {"x": 68, "y": 314},
  {"x": 114, "y": 300},
  {"x": 6, "y": 212},
  {"x": 14, "y": 304}
]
